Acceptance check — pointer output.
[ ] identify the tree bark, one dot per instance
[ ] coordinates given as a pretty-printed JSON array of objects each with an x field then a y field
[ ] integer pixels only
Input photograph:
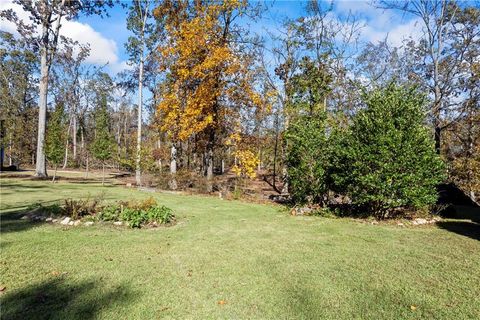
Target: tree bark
[
  {"x": 10, "y": 162},
  {"x": 173, "y": 167},
  {"x": 284, "y": 156},
  {"x": 139, "y": 123},
  {"x": 86, "y": 168},
  {"x": 74, "y": 136},
  {"x": 103, "y": 173},
  {"x": 209, "y": 161},
  {"x": 65, "y": 159},
  {"x": 140, "y": 92},
  {"x": 46, "y": 49},
  {"x": 40, "y": 168},
  {"x": 275, "y": 151}
]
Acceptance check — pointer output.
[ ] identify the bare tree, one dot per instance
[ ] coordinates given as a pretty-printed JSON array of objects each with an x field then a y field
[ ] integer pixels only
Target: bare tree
[{"x": 437, "y": 67}]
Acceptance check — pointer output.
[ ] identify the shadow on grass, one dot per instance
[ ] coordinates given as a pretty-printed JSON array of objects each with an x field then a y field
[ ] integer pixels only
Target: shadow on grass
[
  {"x": 464, "y": 228},
  {"x": 23, "y": 186},
  {"x": 59, "y": 299},
  {"x": 11, "y": 222}
]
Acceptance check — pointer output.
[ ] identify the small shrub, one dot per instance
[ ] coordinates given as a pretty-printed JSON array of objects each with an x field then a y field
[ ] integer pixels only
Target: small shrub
[
  {"x": 139, "y": 204},
  {"x": 160, "y": 214},
  {"x": 76, "y": 209},
  {"x": 134, "y": 217},
  {"x": 110, "y": 213},
  {"x": 138, "y": 213},
  {"x": 237, "y": 193}
]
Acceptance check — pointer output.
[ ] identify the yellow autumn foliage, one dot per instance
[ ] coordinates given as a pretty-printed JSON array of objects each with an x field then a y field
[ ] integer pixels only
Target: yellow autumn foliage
[
  {"x": 246, "y": 165},
  {"x": 205, "y": 72}
]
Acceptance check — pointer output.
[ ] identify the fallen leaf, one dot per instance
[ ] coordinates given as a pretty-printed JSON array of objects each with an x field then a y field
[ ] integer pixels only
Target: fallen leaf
[
  {"x": 413, "y": 308},
  {"x": 55, "y": 273},
  {"x": 2, "y": 288},
  {"x": 222, "y": 302}
]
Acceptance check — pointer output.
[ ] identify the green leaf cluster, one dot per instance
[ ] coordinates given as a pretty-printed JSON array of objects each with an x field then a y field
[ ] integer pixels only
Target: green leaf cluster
[
  {"x": 387, "y": 160},
  {"x": 55, "y": 140},
  {"x": 102, "y": 146},
  {"x": 307, "y": 158}
]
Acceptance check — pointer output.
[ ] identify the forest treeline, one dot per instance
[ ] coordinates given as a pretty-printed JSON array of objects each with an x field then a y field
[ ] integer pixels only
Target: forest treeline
[{"x": 307, "y": 105}]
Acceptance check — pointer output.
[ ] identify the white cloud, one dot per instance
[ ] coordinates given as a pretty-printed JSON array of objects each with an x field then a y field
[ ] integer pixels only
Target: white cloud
[
  {"x": 380, "y": 23},
  {"x": 7, "y": 25},
  {"x": 120, "y": 66},
  {"x": 395, "y": 35},
  {"x": 357, "y": 6},
  {"x": 102, "y": 49}
]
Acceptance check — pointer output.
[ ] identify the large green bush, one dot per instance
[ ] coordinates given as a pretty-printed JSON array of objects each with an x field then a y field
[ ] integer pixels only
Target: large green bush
[
  {"x": 307, "y": 158},
  {"x": 386, "y": 160}
]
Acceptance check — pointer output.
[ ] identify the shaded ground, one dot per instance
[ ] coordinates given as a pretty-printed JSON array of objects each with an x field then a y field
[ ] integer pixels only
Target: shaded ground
[
  {"x": 59, "y": 298},
  {"x": 230, "y": 259}
]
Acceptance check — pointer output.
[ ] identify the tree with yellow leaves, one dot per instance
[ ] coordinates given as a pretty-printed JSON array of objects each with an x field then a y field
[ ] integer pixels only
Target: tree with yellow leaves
[
  {"x": 209, "y": 77},
  {"x": 246, "y": 164}
]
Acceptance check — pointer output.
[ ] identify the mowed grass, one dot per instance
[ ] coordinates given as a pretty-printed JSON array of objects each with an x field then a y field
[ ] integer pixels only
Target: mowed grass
[{"x": 230, "y": 260}]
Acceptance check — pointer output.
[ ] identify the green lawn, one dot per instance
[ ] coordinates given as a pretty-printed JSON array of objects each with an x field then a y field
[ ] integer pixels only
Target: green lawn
[{"x": 261, "y": 262}]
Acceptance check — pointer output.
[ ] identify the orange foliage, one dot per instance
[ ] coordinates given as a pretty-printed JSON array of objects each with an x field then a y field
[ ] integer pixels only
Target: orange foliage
[{"x": 207, "y": 78}]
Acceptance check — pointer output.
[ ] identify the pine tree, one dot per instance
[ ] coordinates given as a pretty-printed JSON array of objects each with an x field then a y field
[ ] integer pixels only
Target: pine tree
[
  {"x": 103, "y": 143},
  {"x": 55, "y": 137},
  {"x": 387, "y": 160}
]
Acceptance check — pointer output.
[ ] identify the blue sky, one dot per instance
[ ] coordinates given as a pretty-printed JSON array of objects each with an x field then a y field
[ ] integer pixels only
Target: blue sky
[{"x": 108, "y": 35}]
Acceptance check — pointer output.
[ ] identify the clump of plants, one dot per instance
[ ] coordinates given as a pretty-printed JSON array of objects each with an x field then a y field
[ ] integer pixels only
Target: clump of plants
[
  {"x": 76, "y": 209},
  {"x": 137, "y": 213}
]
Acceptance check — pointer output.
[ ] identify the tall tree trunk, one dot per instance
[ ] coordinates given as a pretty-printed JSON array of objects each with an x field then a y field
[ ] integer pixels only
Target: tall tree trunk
[
  {"x": 139, "y": 122},
  {"x": 86, "y": 168},
  {"x": 209, "y": 162},
  {"x": 82, "y": 141},
  {"x": 470, "y": 156},
  {"x": 40, "y": 167},
  {"x": 45, "y": 50},
  {"x": 74, "y": 136},
  {"x": 284, "y": 157},
  {"x": 159, "y": 145},
  {"x": 119, "y": 140},
  {"x": 436, "y": 117},
  {"x": 173, "y": 167},
  {"x": 65, "y": 159},
  {"x": 10, "y": 162},
  {"x": 103, "y": 173},
  {"x": 275, "y": 151}
]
